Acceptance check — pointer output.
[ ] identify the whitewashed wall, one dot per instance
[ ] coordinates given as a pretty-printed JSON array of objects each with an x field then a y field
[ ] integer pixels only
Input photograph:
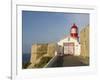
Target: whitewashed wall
[{"x": 68, "y": 40}]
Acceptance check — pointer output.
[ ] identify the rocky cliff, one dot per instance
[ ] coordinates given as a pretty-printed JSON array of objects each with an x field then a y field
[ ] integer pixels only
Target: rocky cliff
[{"x": 41, "y": 51}]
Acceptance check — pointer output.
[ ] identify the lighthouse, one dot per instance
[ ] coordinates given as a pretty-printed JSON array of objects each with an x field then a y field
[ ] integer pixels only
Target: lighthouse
[
  {"x": 74, "y": 32},
  {"x": 70, "y": 45}
]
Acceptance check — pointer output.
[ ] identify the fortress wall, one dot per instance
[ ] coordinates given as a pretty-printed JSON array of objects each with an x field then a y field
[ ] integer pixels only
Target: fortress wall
[
  {"x": 39, "y": 50},
  {"x": 52, "y": 47},
  {"x": 84, "y": 41}
]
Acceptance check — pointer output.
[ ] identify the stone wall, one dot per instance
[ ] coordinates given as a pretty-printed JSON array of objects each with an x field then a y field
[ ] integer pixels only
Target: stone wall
[
  {"x": 33, "y": 53},
  {"x": 84, "y": 41},
  {"x": 37, "y": 50},
  {"x": 51, "y": 49},
  {"x": 40, "y": 50}
]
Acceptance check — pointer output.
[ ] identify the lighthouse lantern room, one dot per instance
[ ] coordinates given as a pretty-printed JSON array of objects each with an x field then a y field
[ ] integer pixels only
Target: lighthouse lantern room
[{"x": 74, "y": 31}]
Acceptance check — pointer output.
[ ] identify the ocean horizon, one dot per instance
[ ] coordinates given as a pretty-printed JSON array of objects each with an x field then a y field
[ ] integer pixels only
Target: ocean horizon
[{"x": 26, "y": 57}]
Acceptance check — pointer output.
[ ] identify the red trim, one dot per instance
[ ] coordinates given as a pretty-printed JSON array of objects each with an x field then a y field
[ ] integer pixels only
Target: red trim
[
  {"x": 74, "y": 26},
  {"x": 74, "y": 35}
]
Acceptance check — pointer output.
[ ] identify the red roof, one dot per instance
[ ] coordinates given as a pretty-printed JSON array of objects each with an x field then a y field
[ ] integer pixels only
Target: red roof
[{"x": 74, "y": 26}]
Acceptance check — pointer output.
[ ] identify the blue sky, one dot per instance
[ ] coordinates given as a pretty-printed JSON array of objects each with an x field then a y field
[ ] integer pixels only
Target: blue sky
[{"x": 44, "y": 27}]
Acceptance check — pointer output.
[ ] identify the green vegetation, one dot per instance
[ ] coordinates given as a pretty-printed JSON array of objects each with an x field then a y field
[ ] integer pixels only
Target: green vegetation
[
  {"x": 25, "y": 65},
  {"x": 43, "y": 62}
]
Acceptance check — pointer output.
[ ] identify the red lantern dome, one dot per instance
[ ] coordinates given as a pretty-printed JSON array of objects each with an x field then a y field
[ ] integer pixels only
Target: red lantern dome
[{"x": 74, "y": 31}]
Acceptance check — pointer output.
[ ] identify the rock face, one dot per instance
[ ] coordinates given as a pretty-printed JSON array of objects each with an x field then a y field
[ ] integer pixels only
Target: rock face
[
  {"x": 84, "y": 40},
  {"x": 33, "y": 53},
  {"x": 52, "y": 47},
  {"x": 39, "y": 51}
]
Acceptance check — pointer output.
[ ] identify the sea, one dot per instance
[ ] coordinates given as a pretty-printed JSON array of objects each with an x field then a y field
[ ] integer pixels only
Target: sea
[{"x": 26, "y": 57}]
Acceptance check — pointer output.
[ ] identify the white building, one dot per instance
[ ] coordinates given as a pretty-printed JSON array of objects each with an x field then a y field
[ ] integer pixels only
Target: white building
[{"x": 70, "y": 45}]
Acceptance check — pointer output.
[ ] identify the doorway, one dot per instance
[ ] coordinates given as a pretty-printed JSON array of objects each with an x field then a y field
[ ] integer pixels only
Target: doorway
[{"x": 69, "y": 48}]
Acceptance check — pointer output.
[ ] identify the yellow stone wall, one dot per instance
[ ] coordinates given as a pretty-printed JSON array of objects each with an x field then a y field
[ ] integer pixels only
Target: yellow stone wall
[
  {"x": 33, "y": 53},
  {"x": 84, "y": 41},
  {"x": 39, "y": 50},
  {"x": 51, "y": 49}
]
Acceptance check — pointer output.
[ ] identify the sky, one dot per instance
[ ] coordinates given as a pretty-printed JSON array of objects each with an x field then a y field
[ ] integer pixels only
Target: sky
[{"x": 46, "y": 27}]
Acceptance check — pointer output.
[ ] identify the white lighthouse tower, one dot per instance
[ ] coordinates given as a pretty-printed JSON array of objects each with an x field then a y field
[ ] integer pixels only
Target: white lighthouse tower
[{"x": 70, "y": 45}]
